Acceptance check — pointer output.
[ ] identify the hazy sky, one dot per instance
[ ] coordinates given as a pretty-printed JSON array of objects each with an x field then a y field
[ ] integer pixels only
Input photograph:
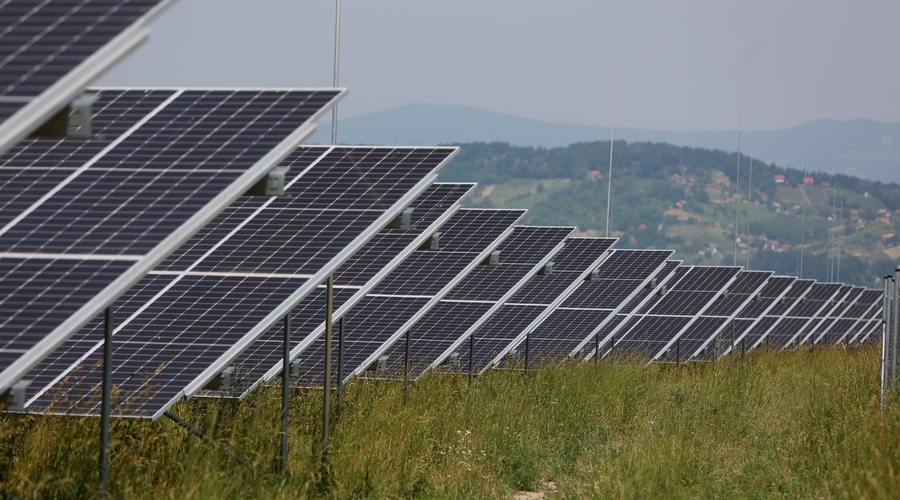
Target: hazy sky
[{"x": 675, "y": 65}]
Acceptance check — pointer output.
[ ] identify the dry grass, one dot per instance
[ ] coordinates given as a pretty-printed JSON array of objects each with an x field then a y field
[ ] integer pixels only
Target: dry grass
[{"x": 793, "y": 424}]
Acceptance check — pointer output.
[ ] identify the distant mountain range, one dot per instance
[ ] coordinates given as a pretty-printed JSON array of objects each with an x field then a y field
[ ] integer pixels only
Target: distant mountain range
[{"x": 863, "y": 148}]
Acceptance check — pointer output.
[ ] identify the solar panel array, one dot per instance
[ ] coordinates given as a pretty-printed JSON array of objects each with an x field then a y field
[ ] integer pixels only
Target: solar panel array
[
  {"x": 220, "y": 289},
  {"x": 87, "y": 221},
  {"x": 132, "y": 198},
  {"x": 407, "y": 294},
  {"x": 525, "y": 253}
]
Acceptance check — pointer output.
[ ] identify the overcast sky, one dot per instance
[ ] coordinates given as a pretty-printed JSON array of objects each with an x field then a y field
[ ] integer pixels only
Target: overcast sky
[{"x": 675, "y": 65}]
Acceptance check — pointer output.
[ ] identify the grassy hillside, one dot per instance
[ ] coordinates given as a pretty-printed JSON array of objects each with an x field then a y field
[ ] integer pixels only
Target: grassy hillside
[
  {"x": 797, "y": 424},
  {"x": 689, "y": 200}
]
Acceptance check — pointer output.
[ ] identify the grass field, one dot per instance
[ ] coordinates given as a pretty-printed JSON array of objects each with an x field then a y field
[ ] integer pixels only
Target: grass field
[{"x": 798, "y": 424}]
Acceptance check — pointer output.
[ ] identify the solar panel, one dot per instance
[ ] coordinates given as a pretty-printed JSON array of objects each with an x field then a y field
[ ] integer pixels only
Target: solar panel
[
  {"x": 375, "y": 260},
  {"x": 210, "y": 312},
  {"x": 569, "y": 329},
  {"x": 49, "y": 51},
  {"x": 868, "y": 309},
  {"x": 802, "y": 315},
  {"x": 469, "y": 237},
  {"x": 477, "y": 297},
  {"x": 737, "y": 334},
  {"x": 571, "y": 266},
  {"x": 127, "y": 206},
  {"x": 718, "y": 321},
  {"x": 656, "y": 327},
  {"x": 605, "y": 337},
  {"x": 822, "y": 332},
  {"x": 758, "y": 334}
]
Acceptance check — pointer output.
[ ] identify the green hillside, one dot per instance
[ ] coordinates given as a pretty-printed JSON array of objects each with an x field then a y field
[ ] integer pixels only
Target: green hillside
[{"x": 685, "y": 199}]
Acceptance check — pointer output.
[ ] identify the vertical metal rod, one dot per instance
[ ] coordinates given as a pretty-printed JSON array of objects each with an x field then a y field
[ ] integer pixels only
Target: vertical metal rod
[
  {"x": 895, "y": 328},
  {"x": 743, "y": 348},
  {"x": 678, "y": 351},
  {"x": 106, "y": 401},
  {"x": 612, "y": 345},
  {"x": 340, "y": 367},
  {"x": 612, "y": 134},
  {"x": 737, "y": 191},
  {"x": 527, "y": 350},
  {"x": 802, "y": 222},
  {"x": 471, "y": 357},
  {"x": 596, "y": 349},
  {"x": 326, "y": 382},
  {"x": 732, "y": 336},
  {"x": 406, "y": 370},
  {"x": 885, "y": 336},
  {"x": 285, "y": 398},
  {"x": 749, "y": 203},
  {"x": 337, "y": 67}
]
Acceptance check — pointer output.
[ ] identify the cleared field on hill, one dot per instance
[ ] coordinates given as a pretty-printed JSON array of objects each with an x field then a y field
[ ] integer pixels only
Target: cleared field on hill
[{"x": 804, "y": 424}]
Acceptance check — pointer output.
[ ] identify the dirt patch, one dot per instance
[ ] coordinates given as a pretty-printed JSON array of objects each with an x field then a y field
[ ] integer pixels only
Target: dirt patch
[{"x": 546, "y": 486}]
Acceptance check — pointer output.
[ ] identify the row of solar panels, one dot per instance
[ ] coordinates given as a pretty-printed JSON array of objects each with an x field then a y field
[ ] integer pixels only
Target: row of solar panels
[{"x": 140, "y": 206}]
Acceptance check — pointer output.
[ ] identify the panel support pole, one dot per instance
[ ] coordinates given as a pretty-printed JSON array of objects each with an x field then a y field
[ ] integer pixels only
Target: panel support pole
[
  {"x": 596, "y": 349},
  {"x": 527, "y": 350},
  {"x": 326, "y": 379},
  {"x": 105, "y": 402},
  {"x": 406, "y": 370},
  {"x": 340, "y": 367},
  {"x": 471, "y": 357},
  {"x": 285, "y": 395}
]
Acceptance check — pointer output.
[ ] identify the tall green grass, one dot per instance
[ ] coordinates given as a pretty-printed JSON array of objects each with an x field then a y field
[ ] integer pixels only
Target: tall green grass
[{"x": 799, "y": 424}]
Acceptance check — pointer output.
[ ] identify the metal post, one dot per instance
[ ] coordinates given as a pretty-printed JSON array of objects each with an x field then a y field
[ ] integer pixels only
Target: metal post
[
  {"x": 612, "y": 346},
  {"x": 885, "y": 336},
  {"x": 471, "y": 357},
  {"x": 326, "y": 393},
  {"x": 678, "y": 351},
  {"x": 285, "y": 399},
  {"x": 732, "y": 336},
  {"x": 337, "y": 67},
  {"x": 406, "y": 370},
  {"x": 596, "y": 349},
  {"x": 106, "y": 401},
  {"x": 340, "y": 367},
  {"x": 895, "y": 327},
  {"x": 527, "y": 350}
]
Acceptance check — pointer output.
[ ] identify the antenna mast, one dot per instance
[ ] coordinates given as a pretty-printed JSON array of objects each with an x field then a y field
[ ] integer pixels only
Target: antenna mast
[
  {"x": 737, "y": 183},
  {"x": 337, "y": 66},
  {"x": 612, "y": 134},
  {"x": 749, "y": 202},
  {"x": 802, "y": 219}
]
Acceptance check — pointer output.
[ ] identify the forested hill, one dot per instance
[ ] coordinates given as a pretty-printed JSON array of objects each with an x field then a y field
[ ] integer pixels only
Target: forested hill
[{"x": 684, "y": 198}]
